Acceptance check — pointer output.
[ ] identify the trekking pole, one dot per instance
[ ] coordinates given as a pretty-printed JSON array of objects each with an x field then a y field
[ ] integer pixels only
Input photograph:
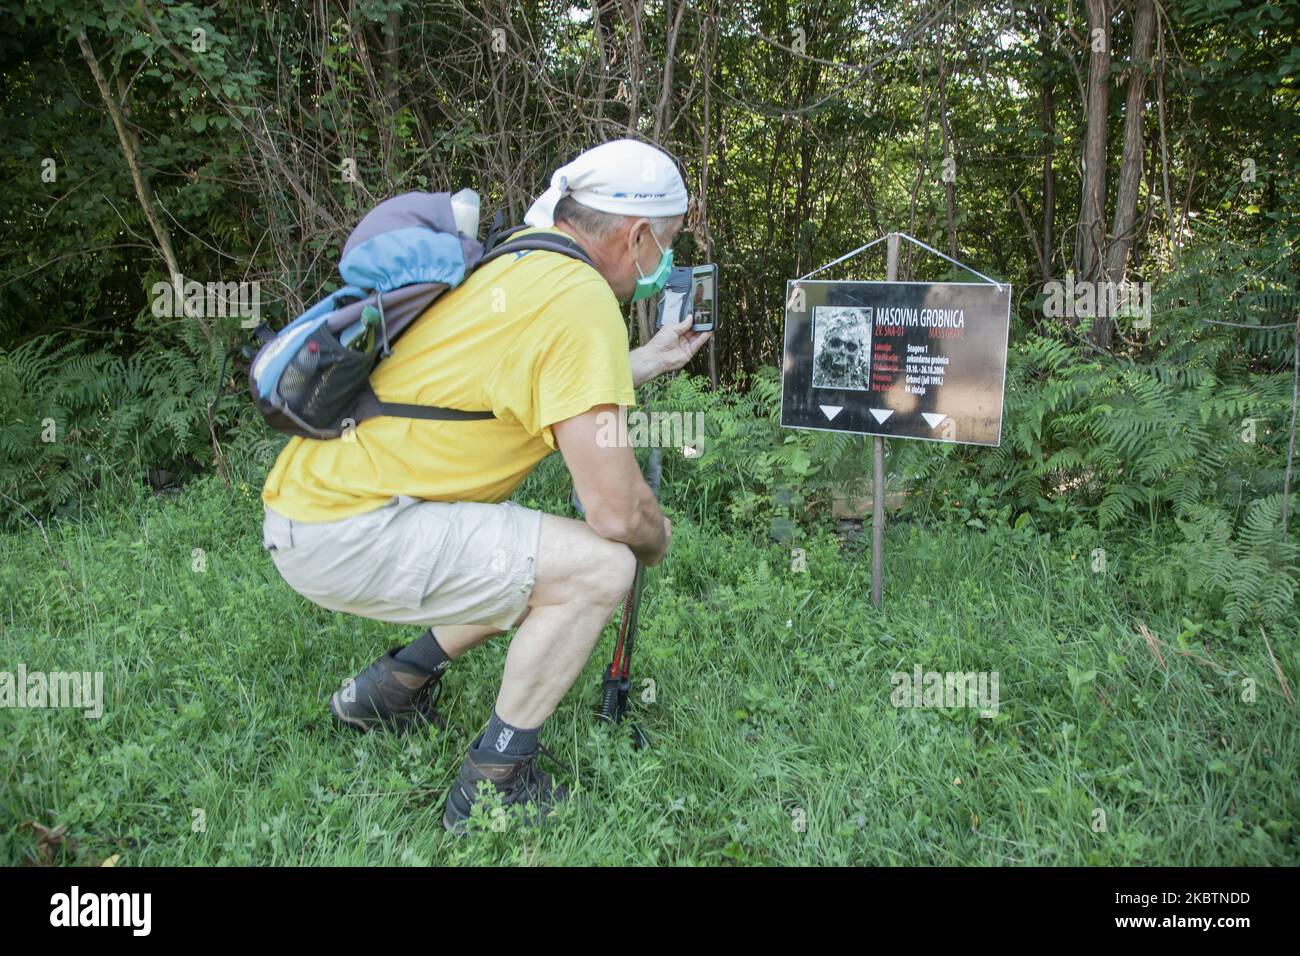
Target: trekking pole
[{"x": 617, "y": 680}]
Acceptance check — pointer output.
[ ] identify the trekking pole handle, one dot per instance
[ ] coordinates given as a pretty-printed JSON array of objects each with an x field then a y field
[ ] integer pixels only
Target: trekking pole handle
[{"x": 654, "y": 470}]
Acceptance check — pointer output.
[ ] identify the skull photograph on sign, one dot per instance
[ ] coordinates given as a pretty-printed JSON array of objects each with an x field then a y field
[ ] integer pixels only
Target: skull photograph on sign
[{"x": 841, "y": 347}]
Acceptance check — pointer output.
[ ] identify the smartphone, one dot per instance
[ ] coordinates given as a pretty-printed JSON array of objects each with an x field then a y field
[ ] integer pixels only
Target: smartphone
[
  {"x": 691, "y": 291},
  {"x": 704, "y": 301}
]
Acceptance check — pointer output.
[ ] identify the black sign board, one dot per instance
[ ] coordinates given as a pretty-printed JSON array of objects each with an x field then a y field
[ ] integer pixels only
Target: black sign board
[{"x": 899, "y": 359}]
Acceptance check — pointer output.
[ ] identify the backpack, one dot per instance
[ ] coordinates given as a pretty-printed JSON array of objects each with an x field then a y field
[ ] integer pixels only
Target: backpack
[{"x": 312, "y": 378}]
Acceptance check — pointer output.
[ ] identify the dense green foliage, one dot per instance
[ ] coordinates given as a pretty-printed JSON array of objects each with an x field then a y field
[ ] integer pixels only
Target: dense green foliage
[{"x": 804, "y": 128}]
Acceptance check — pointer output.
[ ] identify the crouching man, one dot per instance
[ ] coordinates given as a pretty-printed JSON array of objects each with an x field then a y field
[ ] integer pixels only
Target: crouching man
[{"x": 407, "y": 520}]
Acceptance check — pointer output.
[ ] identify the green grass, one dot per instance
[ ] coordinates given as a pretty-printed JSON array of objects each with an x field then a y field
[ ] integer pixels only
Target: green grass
[{"x": 772, "y": 706}]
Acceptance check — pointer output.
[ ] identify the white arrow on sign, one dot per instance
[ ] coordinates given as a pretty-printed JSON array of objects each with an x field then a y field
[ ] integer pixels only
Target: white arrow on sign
[
  {"x": 934, "y": 418},
  {"x": 830, "y": 411},
  {"x": 880, "y": 414}
]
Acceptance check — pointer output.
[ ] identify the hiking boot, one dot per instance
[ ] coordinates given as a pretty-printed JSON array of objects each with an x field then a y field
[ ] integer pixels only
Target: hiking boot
[
  {"x": 517, "y": 779},
  {"x": 389, "y": 694}
]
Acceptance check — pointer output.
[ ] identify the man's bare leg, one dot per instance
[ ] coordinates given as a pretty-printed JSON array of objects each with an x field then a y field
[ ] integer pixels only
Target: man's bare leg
[
  {"x": 581, "y": 579},
  {"x": 456, "y": 639}
]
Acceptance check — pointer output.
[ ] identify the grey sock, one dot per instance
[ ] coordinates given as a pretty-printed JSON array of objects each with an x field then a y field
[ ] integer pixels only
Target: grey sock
[
  {"x": 505, "y": 740},
  {"x": 425, "y": 652}
]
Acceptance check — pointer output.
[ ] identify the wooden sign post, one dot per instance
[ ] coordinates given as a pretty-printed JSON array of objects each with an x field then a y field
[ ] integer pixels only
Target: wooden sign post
[{"x": 878, "y": 466}]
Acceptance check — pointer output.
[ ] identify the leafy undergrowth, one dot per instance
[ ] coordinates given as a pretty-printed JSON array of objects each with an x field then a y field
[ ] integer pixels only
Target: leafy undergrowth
[{"x": 775, "y": 740}]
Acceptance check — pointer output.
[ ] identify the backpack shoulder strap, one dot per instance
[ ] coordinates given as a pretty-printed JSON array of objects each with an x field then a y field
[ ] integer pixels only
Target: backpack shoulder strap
[
  {"x": 543, "y": 242},
  {"x": 370, "y": 404}
]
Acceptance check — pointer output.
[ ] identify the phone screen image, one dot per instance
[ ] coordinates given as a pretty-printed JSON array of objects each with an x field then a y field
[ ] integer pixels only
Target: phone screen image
[
  {"x": 704, "y": 282},
  {"x": 675, "y": 299}
]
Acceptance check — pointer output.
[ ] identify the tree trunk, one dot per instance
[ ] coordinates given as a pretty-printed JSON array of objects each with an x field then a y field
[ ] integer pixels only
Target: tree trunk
[
  {"x": 948, "y": 186},
  {"x": 1130, "y": 171},
  {"x": 1091, "y": 237},
  {"x": 703, "y": 199},
  {"x": 666, "y": 80},
  {"x": 1049, "y": 151},
  {"x": 131, "y": 151}
]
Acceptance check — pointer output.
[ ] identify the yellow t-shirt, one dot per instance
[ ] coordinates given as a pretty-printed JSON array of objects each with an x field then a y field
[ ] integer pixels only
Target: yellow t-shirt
[{"x": 536, "y": 337}]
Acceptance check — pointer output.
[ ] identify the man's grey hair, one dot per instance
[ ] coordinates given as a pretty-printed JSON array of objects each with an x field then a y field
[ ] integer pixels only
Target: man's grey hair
[{"x": 601, "y": 225}]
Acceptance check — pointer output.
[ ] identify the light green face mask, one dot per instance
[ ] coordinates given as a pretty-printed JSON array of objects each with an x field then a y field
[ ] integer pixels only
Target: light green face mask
[{"x": 648, "y": 285}]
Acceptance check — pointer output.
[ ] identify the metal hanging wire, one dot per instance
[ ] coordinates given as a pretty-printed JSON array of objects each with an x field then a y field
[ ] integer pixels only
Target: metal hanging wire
[{"x": 915, "y": 242}]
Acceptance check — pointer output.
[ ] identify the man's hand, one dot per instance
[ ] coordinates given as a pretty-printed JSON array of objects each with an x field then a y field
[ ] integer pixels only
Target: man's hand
[
  {"x": 653, "y": 554},
  {"x": 671, "y": 348}
]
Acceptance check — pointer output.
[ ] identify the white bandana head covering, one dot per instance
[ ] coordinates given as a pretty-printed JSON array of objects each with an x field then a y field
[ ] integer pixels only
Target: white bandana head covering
[{"x": 624, "y": 176}]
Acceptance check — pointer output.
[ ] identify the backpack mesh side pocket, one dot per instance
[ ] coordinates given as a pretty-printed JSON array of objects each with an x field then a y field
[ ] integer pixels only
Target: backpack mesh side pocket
[{"x": 323, "y": 380}]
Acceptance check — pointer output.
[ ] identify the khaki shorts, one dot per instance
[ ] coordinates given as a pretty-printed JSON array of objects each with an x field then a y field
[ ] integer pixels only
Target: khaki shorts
[{"x": 414, "y": 561}]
